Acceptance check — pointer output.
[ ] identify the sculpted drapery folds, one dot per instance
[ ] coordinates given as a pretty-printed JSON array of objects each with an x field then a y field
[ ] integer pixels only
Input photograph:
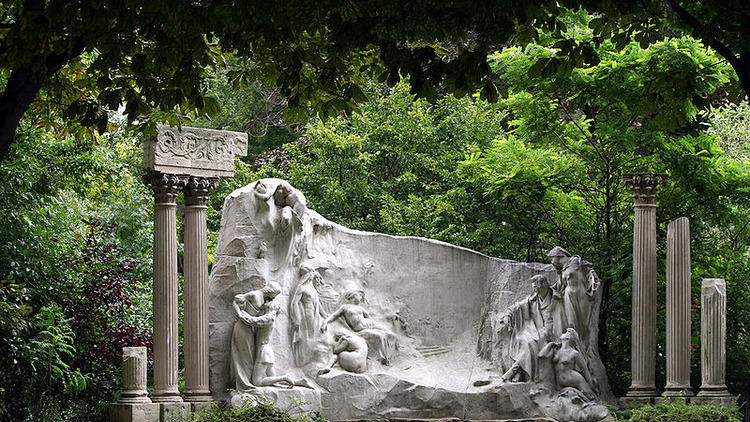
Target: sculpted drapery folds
[
  {"x": 306, "y": 316},
  {"x": 545, "y": 344},
  {"x": 577, "y": 285}
]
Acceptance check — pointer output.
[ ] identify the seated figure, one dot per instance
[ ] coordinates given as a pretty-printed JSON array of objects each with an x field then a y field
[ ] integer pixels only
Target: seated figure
[
  {"x": 382, "y": 341},
  {"x": 350, "y": 353},
  {"x": 571, "y": 370}
]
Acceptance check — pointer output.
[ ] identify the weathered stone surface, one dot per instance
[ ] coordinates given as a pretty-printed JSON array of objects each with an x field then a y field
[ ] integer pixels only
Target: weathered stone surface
[
  {"x": 438, "y": 300},
  {"x": 713, "y": 338},
  {"x": 194, "y": 151},
  {"x": 133, "y": 376},
  {"x": 134, "y": 412},
  {"x": 643, "y": 351},
  {"x": 169, "y": 411},
  {"x": 295, "y": 401},
  {"x": 678, "y": 309}
]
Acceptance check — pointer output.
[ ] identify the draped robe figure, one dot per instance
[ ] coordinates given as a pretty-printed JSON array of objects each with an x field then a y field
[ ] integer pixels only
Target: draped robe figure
[
  {"x": 577, "y": 286},
  {"x": 532, "y": 323}
]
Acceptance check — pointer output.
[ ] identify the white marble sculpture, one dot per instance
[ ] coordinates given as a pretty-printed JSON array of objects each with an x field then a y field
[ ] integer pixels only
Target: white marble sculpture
[
  {"x": 381, "y": 341},
  {"x": 395, "y": 327}
]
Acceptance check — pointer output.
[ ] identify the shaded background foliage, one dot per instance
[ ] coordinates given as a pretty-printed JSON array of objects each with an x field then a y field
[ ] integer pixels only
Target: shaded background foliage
[{"x": 538, "y": 168}]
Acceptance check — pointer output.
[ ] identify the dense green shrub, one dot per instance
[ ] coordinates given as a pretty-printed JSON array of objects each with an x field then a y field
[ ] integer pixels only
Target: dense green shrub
[
  {"x": 681, "y": 412},
  {"x": 264, "y": 412}
]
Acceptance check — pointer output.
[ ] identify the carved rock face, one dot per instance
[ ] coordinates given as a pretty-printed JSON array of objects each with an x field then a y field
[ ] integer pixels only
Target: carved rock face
[{"x": 440, "y": 302}]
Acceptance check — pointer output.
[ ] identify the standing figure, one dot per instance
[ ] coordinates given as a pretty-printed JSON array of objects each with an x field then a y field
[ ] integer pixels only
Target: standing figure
[
  {"x": 350, "y": 353},
  {"x": 252, "y": 356},
  {"x": 531, "y": 323},
  {"x": 571, "y": 370},
  {"x": 380, "y": 339},
  {"x": 306, "y": 317},
  {"x": 577, "y": 285}
]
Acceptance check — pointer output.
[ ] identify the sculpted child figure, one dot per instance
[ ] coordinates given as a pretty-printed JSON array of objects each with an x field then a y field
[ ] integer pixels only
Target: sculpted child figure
[
  {"x": 350, "y": 352},
  {"x": 381, "y": 339}
]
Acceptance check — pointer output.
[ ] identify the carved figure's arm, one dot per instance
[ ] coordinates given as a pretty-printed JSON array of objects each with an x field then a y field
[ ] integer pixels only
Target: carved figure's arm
[
  {"x": 593, "y": 282},
  {"x": 341, "y": 345},
  {"x": 333, "y": 317}
]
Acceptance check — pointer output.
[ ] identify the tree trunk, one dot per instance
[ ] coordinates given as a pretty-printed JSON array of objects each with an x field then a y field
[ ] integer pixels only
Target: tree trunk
[{"x": 20, "y": 91}]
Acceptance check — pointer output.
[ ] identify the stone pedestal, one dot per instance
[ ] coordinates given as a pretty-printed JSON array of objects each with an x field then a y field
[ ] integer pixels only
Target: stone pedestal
[
  {"x": 134, "y": 404},
  {"x": 678, "y": 309},
  {"x": 165, "y": 189},
  {"x": 196, "y": 290},
  {"x": 713, "y": 340},
  {"x": 643, "y": 352}
]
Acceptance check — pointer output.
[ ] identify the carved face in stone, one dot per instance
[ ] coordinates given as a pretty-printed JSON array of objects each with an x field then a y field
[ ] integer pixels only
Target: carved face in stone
[
  {"x": 355, "y": 297},
  {"x": 558, "y": 257},
  {"x": 540, "y": 283},
  {"x": 271, "y": 290}
]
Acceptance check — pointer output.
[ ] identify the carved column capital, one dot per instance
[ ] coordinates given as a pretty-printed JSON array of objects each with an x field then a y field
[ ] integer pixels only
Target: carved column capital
[
  {"x": 644, "y": 186},
  {"x": 198, "y": 188},
  {"x": 165, "y": 186}
]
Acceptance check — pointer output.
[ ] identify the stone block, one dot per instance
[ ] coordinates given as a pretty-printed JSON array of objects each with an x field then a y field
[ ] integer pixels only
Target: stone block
[
  {"x": 635, "y": 402},
  {"x": 137, "y": 412},
  {"x": 193, "y": 151},
  {"x": 203, "y": 405},
  {"x": 722, "y": 401},
  {"x": 173, "y": 409}
]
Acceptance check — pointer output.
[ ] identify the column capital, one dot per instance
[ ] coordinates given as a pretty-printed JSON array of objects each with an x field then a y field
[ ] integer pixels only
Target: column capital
[
  {"x": 165, "y": 186},
  {"x": 644, "y": 186},
  {"x": 197, "y": 189}
]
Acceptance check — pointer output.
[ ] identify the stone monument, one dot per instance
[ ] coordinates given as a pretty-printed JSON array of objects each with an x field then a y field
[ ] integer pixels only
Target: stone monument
[
  {"x": 713, "y": 344},
  {"x": 678, "y": 309},
  {"x": 643, "y": 352},
  {"x": 364, "y": 325},
  {"x": 190, "y": 160}
]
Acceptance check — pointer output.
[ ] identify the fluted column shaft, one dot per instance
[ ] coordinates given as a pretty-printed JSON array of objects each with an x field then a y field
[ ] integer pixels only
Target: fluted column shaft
[
  {"x": 196, "y": 290},
  {"x": 133, "y": 376},
  {"x": 643, "y": 336},
  {"x": 165, "y": 336},
  {"x": 713, "y": 338},
  {"x": 678, "y": 308}
]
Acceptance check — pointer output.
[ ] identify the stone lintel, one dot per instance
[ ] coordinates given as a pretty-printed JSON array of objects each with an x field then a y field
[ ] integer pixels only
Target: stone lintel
[
  {"x": 193, "y": 151},
  {"x": 644, "y": 186}
]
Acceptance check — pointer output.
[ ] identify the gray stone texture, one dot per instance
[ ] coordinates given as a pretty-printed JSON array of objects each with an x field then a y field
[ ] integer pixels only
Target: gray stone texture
[
  {"x": 134, "y": 412},
  {"x": 678, "y": 309},
  {"x": 439, "y": 299},
  {"x": 133, "y": 376},
  {"x": 643, "y": 352},
  {"x": 713, "y": 338},
  {"x": 193, "y": 151}
]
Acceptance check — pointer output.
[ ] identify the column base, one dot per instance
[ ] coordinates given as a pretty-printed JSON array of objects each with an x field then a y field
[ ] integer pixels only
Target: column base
[
  {"x": 170, "y": 397},
  {"x": 678, "y": 391},
  {"x": 198, "y": 396},
  {"x": 141, "y": 412},
  {"x": 641, "y": 392}
]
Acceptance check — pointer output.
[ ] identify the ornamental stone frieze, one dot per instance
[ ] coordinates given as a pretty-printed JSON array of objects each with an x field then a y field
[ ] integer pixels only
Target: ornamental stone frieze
[{"x": 194, "y": 151}]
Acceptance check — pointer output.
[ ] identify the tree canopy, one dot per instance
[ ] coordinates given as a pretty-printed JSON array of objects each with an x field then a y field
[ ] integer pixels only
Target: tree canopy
[{"x": 90, "y": 57}]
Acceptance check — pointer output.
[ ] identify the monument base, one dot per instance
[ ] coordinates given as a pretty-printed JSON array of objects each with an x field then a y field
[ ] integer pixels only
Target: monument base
[
  {"x": 134, "y": 412},
  {"x": 630, "y": 402},
  {"x": 294, "y": 401}
]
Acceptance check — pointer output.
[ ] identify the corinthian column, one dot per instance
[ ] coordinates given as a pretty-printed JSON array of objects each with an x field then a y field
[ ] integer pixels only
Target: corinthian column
[
  {"x": 643, "y": 335},
  {"x": 713, "y": 338},
  {"x": 678, "y": 309},
  {"x": 165, "y": 189},
  {"x": 196, "y": 289}
]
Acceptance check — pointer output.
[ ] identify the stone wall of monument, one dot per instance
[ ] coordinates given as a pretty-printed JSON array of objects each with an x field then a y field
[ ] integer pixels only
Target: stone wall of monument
[{"x": 435, "y": 306}]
